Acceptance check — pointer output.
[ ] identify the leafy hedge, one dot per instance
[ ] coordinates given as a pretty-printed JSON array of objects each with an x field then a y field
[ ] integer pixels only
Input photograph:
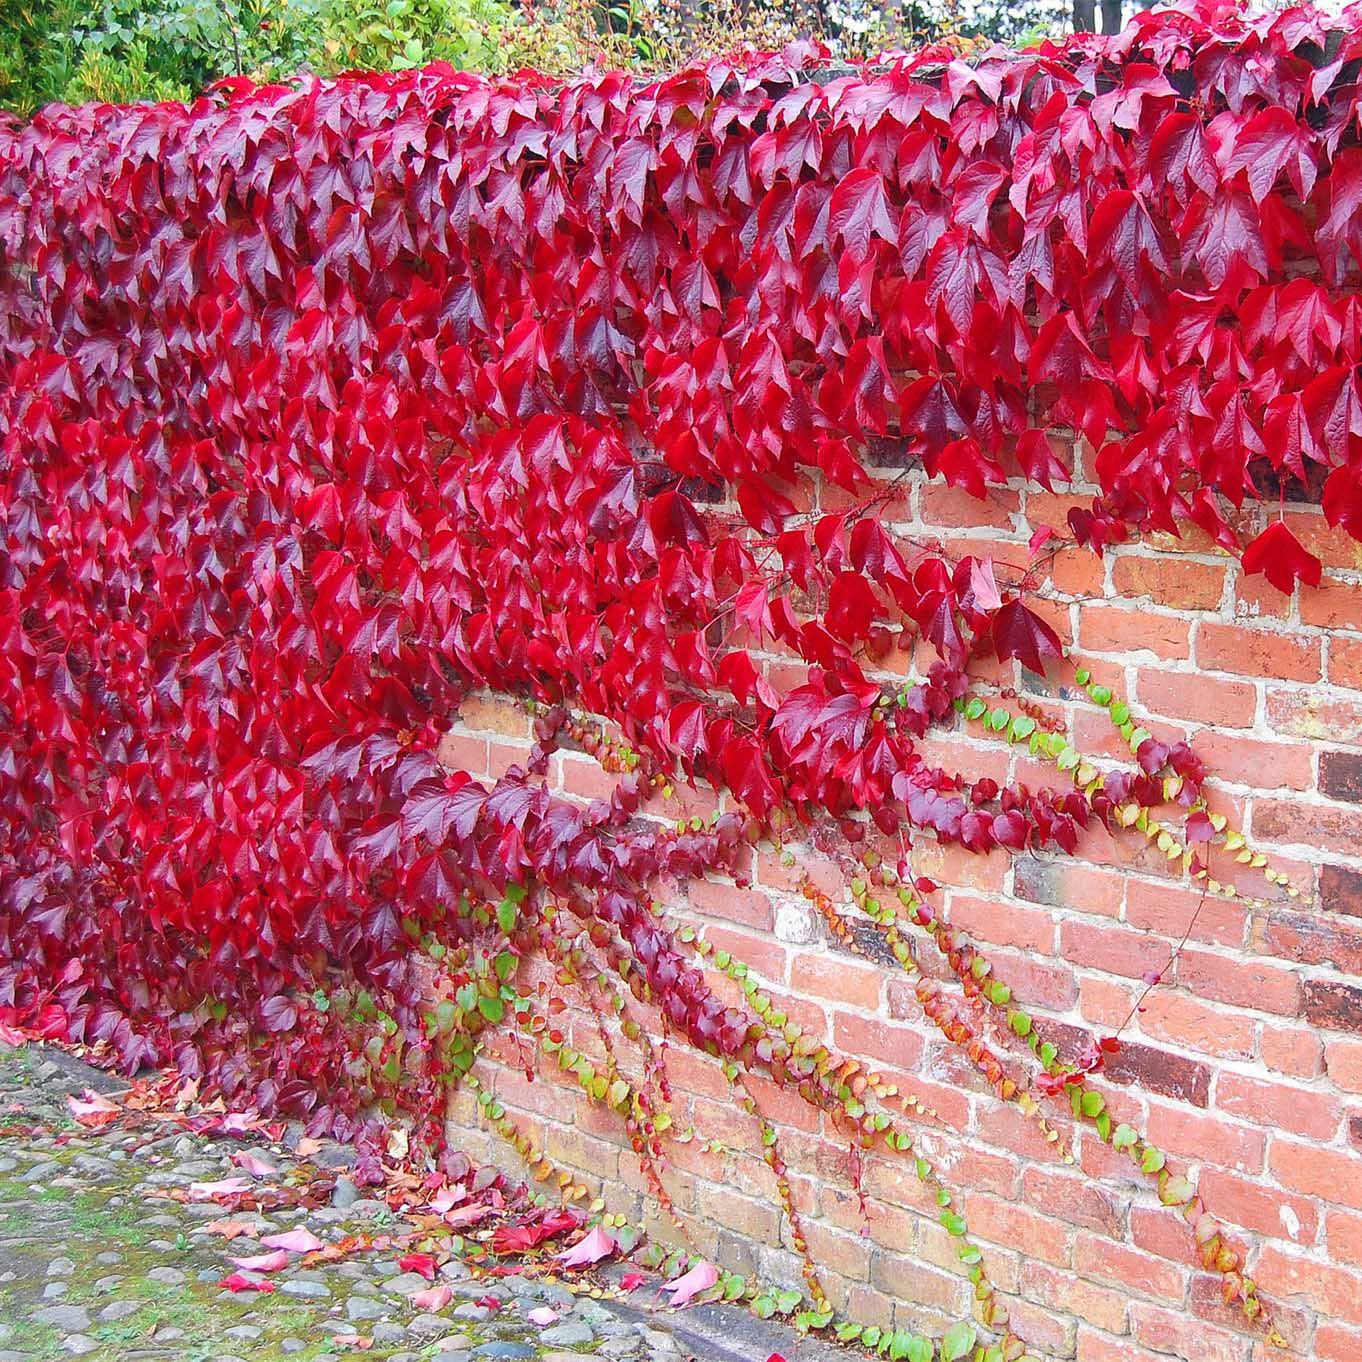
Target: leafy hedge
[{"x": 324, "y": 403}]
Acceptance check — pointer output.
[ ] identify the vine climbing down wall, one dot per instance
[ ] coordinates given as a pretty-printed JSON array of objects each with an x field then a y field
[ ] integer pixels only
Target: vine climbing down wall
[{"x": 788, "y": 642}]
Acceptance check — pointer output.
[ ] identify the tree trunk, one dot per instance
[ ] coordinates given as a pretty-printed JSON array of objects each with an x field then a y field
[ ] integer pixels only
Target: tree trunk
[
  {"x": 1085, "y": 15},
  {"x": 1111, "y": 16}
]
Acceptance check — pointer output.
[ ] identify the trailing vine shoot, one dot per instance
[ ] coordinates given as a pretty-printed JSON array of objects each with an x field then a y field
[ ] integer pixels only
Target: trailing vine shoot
[{"x": 326, "y": 405}]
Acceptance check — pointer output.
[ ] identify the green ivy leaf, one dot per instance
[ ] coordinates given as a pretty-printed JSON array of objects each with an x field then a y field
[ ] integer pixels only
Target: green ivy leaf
[
  {"x": 957, "y": 1341},
  {"x": 1093, "y": 1103},
  {"x": 974, "y": 708},
  {"x": 506, "y": 915},
  {"x": 763, "y": 1307},
  {"x": 1123, "y": 1137},
  {"x": 1023, "y": 726},
  {"x": 955, "y": 1224},
  {"x": 1153, "y": 1160}
]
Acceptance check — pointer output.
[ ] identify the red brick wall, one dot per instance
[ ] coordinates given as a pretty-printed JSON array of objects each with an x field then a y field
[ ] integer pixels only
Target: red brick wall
[{"x": 1245, "y": 1066}]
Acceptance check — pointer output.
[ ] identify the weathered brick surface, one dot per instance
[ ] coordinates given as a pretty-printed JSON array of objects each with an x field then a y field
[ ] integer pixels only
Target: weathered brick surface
[{"x": 1245, "y": 1062}]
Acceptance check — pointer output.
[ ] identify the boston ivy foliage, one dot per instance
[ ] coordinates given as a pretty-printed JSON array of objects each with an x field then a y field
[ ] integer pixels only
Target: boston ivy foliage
[{"x": 326, "y": 403}]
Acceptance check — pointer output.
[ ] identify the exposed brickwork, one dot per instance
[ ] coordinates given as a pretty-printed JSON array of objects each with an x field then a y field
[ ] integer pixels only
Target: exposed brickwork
[{"x": 1245, "y": 1062}]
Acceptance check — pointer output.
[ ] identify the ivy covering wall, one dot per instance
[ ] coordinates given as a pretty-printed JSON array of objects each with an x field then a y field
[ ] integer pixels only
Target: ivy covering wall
[{"x": 326, "y": 403}]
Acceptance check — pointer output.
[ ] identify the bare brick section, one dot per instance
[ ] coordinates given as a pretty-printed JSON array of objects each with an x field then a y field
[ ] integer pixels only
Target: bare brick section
[
  {"x": 1243, "y": 1064},
  {"x": 1340, "y": 889},
  {"x": 1334, "y": 1005},
  {"x": 1340, "y": 775}
]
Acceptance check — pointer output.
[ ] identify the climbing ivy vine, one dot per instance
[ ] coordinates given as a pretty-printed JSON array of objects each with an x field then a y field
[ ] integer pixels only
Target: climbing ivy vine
[{"x": 325, "y": 404}]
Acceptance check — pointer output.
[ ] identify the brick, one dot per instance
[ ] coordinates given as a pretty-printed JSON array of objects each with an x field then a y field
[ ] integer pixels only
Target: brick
[
  {"x": 1179, "y": 1333},
  {"x": 1104, "y": 1002},
  {"x": 1169, "y": 1015},
  {"x": 766, "y": 957},
  {"x": 1100, "y": 1347},
  {"x": 1077, "y": 1198},
  {"x": 1206, "y": 1300},
  {"x": 1255, "y": 598},
  {"x": 1100, "y": 1258},
  {"x": 1343, "y": 1063},
  {"x": 1155, "y": 1070},
  {"x": 878, "y": 1040},
  {"x": 1345, "y": 662},
  {"x": 899, "y": 1276},
  {"x": 1312, "y": 940},
  {"x": 730, "y": 904},
  {"x": 1332, "y": 545},
  {"x": 1036, "y": 983},
  {"x": 1293, "y": 1051},
  {"x": 1211, "y": 1139},
  {"x": 1302, "y": 1111},
  {"x": 1176, "y": 583},
  {"x": 1256, "y": 652},
  {"x": 1112, "y": 949},
  {"x": 1319, "y": 826},
  {"x": 1003, "y": 924},
  {"x": 1333, "y": 1005},
  {"x": 1337, "y": 1343},
  {"x": 462, "y": 752},
  {"x": 954, "y": 507},
  {"x": 1333, "y": 604},
  {"x": 1315, "y": 715},
  {"x": 1269, "y": 1210},
  {"x": 1109, "y": 629},
  {"x": 1340, "y": 775},
  {"x": 1340, "y": 889},
  {"x": 1065, "y": 884},
  {"x": 1171, "y": 911},
  {"x": 836, "y": 980},
  {"x": 1333, "y": 1175},
  {"x": 1343, "y": 1236},
  {"x": 1337, "y": 1291},
  {"x": 1248, "y": 761},
  {"x": 1075, "y": 1296},
  {"x": 1078, "y": 572},
  {"x": 1006, "y": 1222},
  {"x": 1197, "y": 697},
  {"x": 486, "y": 713},
  {"x": 1242, "y": 982}
]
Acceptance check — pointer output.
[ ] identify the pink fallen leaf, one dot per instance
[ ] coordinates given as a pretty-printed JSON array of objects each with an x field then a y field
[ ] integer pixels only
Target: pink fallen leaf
[
  {"x": 591, "y": 1248},
  {"x": 296, "y": 1241},
  {"x": 362, "y": 1342},
  {"x": 210, "y": 1191},
  {"x": 263, "y": 1262},
  {"x": 463, "y": 1216},
  {"x": 231, "y": 1229},
  {"x": 239, "y": 1282},
  {"x": 543, "y": 1316},
  {"x": 92, "y": 1110},
  {"x": 237, "y": 1123},
  {"x": 700, "y": 1278},
  {"x": 254, "y": 1164},
  {"x": 9, "y": 1036},
  {"x": 631, "y": 1281},
  {"x": 433, "y": 1298},
  {"x": 445, "y": 1200}
]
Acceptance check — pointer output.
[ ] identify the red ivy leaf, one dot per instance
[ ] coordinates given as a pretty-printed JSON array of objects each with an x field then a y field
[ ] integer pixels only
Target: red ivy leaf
[
  {"x": 1281, "y": 558},
  {"x": 1019, "y": 632}
]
